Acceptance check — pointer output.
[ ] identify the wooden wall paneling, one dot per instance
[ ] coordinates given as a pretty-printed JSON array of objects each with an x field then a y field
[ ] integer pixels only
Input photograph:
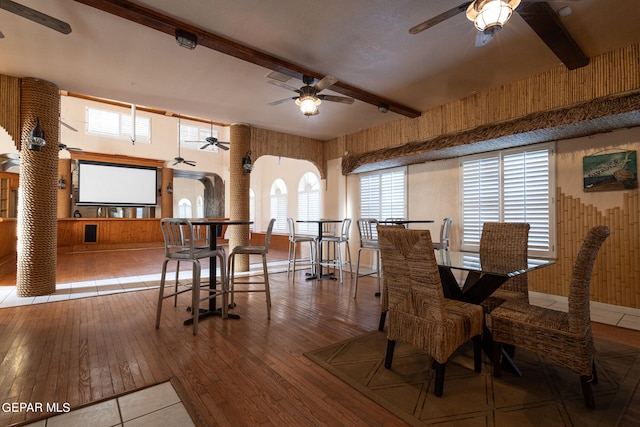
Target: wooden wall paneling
[{"x": 616, "y": 275}]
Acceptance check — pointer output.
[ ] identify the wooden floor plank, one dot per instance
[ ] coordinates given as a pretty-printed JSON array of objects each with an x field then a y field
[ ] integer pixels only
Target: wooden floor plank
[{"x": 250, "y": 371}]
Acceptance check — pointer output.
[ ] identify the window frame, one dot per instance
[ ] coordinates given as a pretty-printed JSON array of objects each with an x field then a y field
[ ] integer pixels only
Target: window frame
[
  {"x": 123, "y": 131},
  {"x": 505, "y": 179},
  {"x": 392, "y": 205},
  {"x": 307, "y": 198}
]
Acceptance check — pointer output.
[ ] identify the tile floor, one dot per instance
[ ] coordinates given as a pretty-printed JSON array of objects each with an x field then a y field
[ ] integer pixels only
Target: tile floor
[{"x": 153, "y": 406}]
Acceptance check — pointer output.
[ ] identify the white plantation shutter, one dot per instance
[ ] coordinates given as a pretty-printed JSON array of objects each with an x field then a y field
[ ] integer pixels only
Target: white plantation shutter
[
  {"x": 279, "y": 202},
  {"x": 480, "y": 197},
  {"x": 512, "y": 186},
  {"x": 526, "y": 195},
  {"x": 308, "y": 202},
  {"x": 383, "y": 194},
  {"x": 113, "y": 124}
]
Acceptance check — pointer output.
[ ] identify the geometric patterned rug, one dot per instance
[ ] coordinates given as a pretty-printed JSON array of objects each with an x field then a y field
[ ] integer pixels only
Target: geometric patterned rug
[{"x": 545, "y": 395}]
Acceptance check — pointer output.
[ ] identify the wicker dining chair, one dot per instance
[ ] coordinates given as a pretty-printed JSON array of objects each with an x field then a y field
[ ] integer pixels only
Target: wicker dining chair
[
  {"x": 384, "y": 294},
  {"x": 504, "y": 247},
  {"x": 419, "y": 314},
  {"x": 564, "y": 338}
]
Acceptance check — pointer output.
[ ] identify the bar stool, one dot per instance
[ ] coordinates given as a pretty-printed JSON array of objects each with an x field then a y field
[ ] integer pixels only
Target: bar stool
[
  {"x": 368, "y": 242},
  {"x": 337, "y": 240},
  {"x": 180, "y": 245},
  {"x": 445, "y": 230},
  {"x": 252, "y": 250},
  {"x": 294, "y": 239}
]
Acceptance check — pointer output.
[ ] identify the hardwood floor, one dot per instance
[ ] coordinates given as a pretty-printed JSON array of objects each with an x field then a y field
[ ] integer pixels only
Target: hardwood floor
[{"x": 250, "y": 371}]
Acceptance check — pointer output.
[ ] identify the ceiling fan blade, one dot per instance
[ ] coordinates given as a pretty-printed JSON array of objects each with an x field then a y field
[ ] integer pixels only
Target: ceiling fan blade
[
  {"x": 483, "y": 39},
  {"x": 439, "y": 18},
  {"x": 67, "y": 125},
  {"x": 35, "y": 16},
  {"x": 547, "y": 25},
  {"x": 325, "y": 83},
  {"x": 280, "y": 101},
  {"x": 204, "y": 146},
  {"x": 224, "y": 147},
  {"x": 333, "y": 98},
  {"x": 189, "y": 162},
  {"x": 283, "y": 85},
  {"x": 8, "y": 164}
]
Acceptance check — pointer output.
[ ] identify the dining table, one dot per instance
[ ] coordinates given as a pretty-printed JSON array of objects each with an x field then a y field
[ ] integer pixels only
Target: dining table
[
  {"x": 480, "y": 282},
  {"x": 317, "y": 272},
  {"x": 215, "y": 231},
  {"x": 406, "y": 221}
]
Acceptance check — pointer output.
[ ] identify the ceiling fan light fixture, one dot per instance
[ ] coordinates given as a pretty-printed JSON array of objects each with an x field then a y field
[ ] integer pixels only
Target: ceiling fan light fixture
[
  {"x": 186, "y": 39},
  {"x": 308, "y": 105},
  {"x": 490, "y": 15}
]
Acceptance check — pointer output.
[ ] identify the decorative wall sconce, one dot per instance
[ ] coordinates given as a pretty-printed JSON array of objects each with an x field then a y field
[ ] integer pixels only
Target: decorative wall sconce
[
  {"x": 247, "y": 165},
  {"x": 62, "y": 184},
  {"x": 169, "y": 189},
  {"x": 36, "y": 137}
]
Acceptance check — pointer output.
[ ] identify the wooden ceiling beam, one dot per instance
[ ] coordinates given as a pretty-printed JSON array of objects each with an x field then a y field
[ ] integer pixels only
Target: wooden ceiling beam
[
  {"x": 547, "y": 25},
  {"x": 168, "y": 25}
]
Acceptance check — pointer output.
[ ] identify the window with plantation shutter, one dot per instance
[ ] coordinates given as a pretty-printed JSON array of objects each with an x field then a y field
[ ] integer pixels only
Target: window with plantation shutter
[
  {"x": 112, "y": 124},
  {"x": 308, "y": 202},
  {"x": 279, "y": 202},
  {"x": 510, "y": 186},
  {"x": 193, "y": 137},
  {"x": 383, "y": 194}
]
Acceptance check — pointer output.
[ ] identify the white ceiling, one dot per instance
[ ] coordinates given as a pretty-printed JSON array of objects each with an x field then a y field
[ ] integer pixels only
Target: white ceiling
[{"x": 364, "y": 43}]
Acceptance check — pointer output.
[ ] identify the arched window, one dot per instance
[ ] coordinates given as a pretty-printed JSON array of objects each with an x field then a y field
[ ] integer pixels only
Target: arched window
[
  {"x": 279, "y": 205},
  {"x": 308, "y": 201},
  {"x": 184, "y": 209},
  {"x": 252, "y": 208},
  {"x": 200, "y": 207}
]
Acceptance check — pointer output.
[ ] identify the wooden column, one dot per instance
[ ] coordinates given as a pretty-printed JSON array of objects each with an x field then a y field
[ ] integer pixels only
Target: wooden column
[
  {"x": 38, "y": 195},
  {"x": 239, "y": 191},
  {"x": 166, "y": 204},
  {"x": 64, "y": 194}
]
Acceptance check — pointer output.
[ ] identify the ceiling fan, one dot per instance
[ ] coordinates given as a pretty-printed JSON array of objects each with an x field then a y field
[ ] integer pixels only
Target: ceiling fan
[
  {"x": 180, "y": 159},
  {"x": 490, "y": 15},
  {"x": 35, "y": 16},
  {"x": 9, "y": 160},
  {"x": 309, "y": 96},
  {"x": 212, "y": 141}
]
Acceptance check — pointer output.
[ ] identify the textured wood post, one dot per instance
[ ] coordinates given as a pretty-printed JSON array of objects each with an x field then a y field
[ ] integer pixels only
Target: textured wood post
[
  {"x": 38, "y": 192},
  {"x": 240, "y": 144},
  {"x": 166, "y": 204},
  {"x": 64, "y": 194}
]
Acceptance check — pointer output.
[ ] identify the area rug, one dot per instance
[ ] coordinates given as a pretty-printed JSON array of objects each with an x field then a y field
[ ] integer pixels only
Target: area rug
[{"x": 545, "y": 395}]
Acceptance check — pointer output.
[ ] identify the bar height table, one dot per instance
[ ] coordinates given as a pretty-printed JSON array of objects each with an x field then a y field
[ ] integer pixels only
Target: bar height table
[
  {"x": 318, "y": 273},
  {"x": 215, "y": 230}
]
